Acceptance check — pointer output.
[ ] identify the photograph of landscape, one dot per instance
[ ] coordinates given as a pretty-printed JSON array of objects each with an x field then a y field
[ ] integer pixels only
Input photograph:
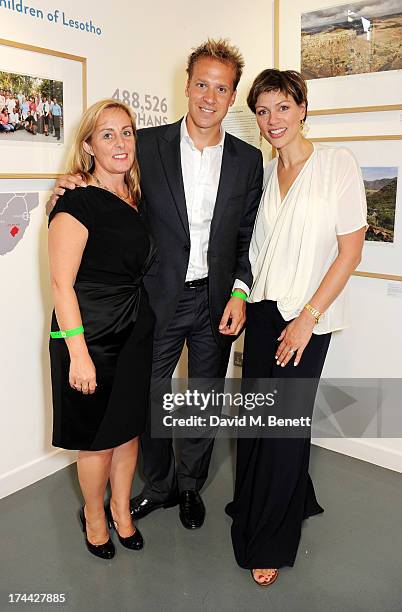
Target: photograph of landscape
[
  {"x": 353, "y": 38},
  {"x": 381, "y": 188}
]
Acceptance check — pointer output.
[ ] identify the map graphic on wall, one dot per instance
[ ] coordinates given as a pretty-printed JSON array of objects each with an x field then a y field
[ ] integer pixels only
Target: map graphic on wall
[
  {"x": 381, "y": 188},
  {"x": 15, "y": 214},
  {"x": 354, "y": 38}
]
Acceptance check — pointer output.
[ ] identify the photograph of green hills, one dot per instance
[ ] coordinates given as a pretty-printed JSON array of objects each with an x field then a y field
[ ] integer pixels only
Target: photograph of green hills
[{"x": 381, "y": 191}]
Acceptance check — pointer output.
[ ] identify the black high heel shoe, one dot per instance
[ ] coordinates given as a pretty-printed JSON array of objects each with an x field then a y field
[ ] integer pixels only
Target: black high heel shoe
[
  {"x": 104, "y": 551},
  {"x": 133, "y": 542}
]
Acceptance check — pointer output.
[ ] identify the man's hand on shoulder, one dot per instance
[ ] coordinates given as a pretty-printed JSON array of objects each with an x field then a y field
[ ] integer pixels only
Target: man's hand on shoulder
[{"x": 65, "y": 181}]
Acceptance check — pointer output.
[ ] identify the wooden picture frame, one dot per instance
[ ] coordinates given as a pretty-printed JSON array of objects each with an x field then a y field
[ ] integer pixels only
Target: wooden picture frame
[{"x": 43, "y": 160}]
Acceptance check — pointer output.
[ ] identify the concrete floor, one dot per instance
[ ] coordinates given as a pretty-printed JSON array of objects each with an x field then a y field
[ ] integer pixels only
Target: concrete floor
[{"x": 350, "y": 558}]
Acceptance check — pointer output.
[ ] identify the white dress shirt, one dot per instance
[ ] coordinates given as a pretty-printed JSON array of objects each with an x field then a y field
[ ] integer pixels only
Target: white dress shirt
[
  {"x": 294, "y": 242},
  {"x": 201, "y": 172},
  {"x": 10, "y": 105}
]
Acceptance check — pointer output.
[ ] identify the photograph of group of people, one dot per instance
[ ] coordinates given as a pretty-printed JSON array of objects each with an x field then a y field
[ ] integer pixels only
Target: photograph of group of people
[{"x": 30, "y": 106}]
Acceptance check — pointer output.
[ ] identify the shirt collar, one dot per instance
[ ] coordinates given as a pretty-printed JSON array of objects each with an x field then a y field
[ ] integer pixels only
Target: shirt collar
[{"x": 184, "y": 135}]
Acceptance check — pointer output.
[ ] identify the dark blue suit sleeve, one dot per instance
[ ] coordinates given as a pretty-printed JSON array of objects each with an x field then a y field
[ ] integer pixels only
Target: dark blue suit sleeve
[{"x": 243, "y": 268}]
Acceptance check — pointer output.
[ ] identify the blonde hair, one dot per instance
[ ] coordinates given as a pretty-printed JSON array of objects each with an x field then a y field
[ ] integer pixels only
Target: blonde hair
[
  {"x": 81, "y": 162},
  {"x": 220, "y": 50}
]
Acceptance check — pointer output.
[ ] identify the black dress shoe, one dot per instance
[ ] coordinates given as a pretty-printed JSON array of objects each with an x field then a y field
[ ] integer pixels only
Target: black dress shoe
[
  {"x": 133, "y": 542},
  {"x": 192, "y": 509},
  {"x": 104, "y": 551},
  {"x": 141, "y": 506}
]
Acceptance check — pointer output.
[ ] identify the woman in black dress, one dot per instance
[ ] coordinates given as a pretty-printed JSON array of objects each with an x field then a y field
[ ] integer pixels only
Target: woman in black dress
[
  {"x": 307, "y": 241},
  {"x": 102, "y": 326}
]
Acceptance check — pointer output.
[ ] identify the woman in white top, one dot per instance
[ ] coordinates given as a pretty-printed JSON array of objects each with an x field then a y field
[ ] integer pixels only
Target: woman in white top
[{"x": 307, "y": 241}]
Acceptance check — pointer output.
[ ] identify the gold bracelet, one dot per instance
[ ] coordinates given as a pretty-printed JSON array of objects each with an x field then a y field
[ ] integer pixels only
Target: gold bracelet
[{"x": 316, "y": 313}]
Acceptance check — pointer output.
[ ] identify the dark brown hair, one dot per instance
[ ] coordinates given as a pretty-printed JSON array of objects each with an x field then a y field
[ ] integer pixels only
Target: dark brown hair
[
  {"x": 288, "y": 82},
  {"x": 220, "y": 50}
]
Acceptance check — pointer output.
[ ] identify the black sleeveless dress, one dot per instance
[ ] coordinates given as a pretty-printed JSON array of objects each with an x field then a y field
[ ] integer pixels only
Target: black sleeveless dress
[{"x": 118, "y": 324}]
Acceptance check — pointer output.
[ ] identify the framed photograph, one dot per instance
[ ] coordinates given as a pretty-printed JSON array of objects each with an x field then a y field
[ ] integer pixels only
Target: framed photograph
[
  {"x": 43, "y": 94},
  {"x": 350, "y": 53},
  {"x": 381, "y": 165}
]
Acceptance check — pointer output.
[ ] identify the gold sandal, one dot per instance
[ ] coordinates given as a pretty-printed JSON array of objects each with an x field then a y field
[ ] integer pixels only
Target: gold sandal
[{"x": 268, "y": 582}]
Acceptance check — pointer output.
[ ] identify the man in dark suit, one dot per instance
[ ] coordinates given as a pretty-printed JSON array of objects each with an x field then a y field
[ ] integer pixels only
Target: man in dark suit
[{"x": 201, "y": 188}]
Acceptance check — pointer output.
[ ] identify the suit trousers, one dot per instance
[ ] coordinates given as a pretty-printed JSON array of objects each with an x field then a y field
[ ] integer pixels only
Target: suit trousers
[{"x": 191, "y": 324}]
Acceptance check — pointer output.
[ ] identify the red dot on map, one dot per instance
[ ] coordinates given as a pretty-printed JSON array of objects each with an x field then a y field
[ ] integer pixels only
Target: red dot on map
[{"x": 14, "y": 230}]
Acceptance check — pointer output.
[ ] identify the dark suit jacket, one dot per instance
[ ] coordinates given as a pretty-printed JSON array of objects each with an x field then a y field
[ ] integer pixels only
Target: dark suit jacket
[{"x": 237, "y": 200}]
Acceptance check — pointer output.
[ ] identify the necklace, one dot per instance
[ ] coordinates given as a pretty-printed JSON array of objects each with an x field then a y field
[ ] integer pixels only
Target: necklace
[{"x": 126, "y": 198}]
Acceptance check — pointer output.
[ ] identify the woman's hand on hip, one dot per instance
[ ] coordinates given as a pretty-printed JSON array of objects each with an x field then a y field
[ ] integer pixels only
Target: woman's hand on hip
[
  {"x": 83, "y": 374},
  {"x": 294, "y": 339}
]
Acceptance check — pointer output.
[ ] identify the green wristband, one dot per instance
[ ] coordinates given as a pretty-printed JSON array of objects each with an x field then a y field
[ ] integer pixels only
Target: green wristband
[
  {"x": 239, "y": 294},
  {"x": 67, "y": 333}
]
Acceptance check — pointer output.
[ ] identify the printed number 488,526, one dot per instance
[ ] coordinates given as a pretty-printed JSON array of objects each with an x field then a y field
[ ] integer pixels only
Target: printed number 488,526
[{"x": 133, "y": 99}]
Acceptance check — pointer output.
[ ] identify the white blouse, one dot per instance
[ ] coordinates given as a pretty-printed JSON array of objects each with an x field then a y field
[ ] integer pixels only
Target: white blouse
[{"x": 294, "y": 242}]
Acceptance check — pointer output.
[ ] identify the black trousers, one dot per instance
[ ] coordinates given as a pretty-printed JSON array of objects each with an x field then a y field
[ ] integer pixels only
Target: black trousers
[
  {"x": 206, "y": 359},
  {"x": 273, "y": 490},
  {"x": 57, "y": 125}
]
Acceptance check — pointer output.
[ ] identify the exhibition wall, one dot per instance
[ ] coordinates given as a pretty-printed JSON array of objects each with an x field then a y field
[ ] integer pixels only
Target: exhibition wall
[
  {"x": 141, "y": 51},
  {"x": 136, "y": 52},
  {"x": 351, "y": 55}
]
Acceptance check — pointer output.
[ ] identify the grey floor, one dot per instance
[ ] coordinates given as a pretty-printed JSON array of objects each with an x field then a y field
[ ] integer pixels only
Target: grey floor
[
  {"x": 350, "y": 558},
  {"x": 22, "y": 135}
]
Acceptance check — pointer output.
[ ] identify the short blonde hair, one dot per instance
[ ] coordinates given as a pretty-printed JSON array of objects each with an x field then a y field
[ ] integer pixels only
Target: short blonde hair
[
  {"x": 220, "y": 50},
  {"x": 81, "y": 162}
]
